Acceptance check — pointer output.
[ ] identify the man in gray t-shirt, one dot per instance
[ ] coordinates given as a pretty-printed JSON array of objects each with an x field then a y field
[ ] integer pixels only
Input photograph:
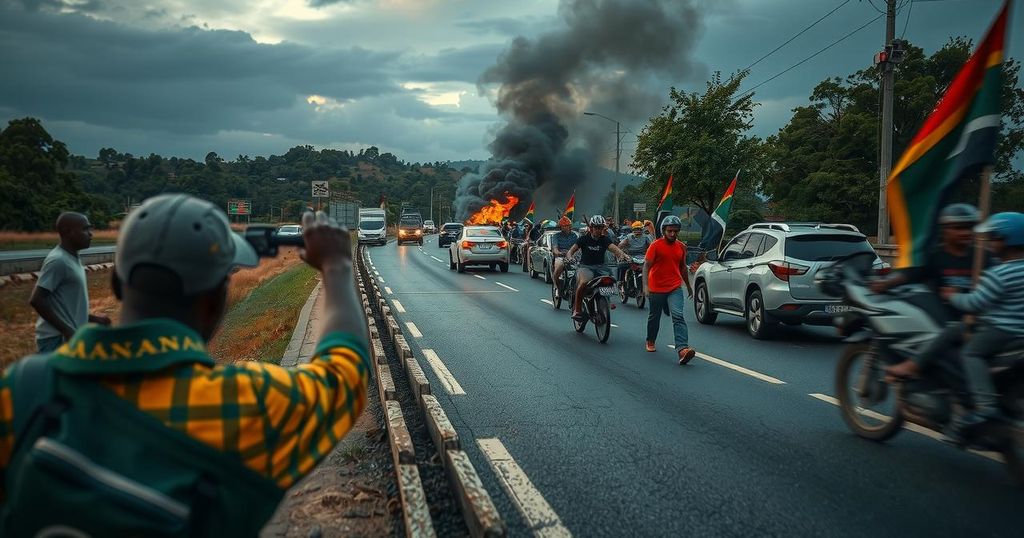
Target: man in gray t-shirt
[
  {"x": 61, "y": 295},
  {"x": 634, "y": 244}
]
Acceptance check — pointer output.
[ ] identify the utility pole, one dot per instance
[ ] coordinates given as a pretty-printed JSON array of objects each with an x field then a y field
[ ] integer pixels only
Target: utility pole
[
  {"x": 888, "y": 66},
  {"x": 432, "y": 204},
  {"x": 615, "y": 184}
]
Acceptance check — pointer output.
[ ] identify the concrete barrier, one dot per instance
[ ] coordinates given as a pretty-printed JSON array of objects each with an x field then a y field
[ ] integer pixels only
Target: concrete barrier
[
  {"x": 417, "y": 380},
  {"x": 402, "y": 450},
  {"x": 415, "y": 511},
  {"x": 441, "y": 429},
  {"x": 478, "y": 509}
]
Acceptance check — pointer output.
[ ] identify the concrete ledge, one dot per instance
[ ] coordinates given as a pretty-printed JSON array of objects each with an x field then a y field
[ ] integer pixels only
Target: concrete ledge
[
  {"x": 291, "y": 353},
  {"x": 393, "y": 327},
  {"x": 478, "y": 509},
  {"x": 402, "y": 450},
  {"x": 415, "y": 511},
  {"x": 378, "y": 351},
  {"x": 417, "y": 380},
  {"x": 441, "y": 429},
  {"x": 402, "y": 347},
  {"x": 4, "y": 280},
  {"x": 374, "y": 333},
  {"x": 385, "y": 384}
]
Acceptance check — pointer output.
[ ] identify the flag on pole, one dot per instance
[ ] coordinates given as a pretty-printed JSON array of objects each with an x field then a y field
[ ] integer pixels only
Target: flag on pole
[
  {"x": 571, "y": 208},
  {"x": 529, "y": 212},
  {"x": 666, "y": 196},
  {"x": 714, "y": 229},
  {"x": 958, "y": 137}
]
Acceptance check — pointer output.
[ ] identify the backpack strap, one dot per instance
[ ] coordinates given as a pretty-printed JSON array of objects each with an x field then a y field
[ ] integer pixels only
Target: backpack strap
[{"x": 32, "y": 389}]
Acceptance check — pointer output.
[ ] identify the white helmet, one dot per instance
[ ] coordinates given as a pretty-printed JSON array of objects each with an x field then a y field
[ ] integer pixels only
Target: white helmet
[
  {"x": 670, "y": 220},
  {"x": 597, "y": 220}
]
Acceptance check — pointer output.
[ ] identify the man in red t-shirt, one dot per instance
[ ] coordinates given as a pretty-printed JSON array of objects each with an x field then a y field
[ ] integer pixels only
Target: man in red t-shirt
[{"x": 664, "y": 275}]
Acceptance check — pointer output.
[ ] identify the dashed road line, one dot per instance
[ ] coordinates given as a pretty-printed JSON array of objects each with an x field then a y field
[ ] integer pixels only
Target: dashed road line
[
  {"x": 380, "y": 278},
  {"x": 614, "y": 325},
  {"x": 388, "y": 290},
  {"x": 413, "y": 330},
  {"x": 436, "y": 258},
  {"x": 740, "y": 369},
  {"x": 539, "y": 515},
  {"x": 906, "y": 425},
  {"x": 398, "y": 306},
  {"x": 480, "y": 277},
  {"x": 548, "y": 301},
  {"x": 504, "y": 286},
  {"x": 447, "y": 379}
]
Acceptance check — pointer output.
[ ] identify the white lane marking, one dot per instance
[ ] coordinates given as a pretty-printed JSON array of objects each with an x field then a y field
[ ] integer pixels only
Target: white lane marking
[
  {"x": 415, "y": 332},
  {"x": 480, "y": 277},
  {"x": 906, "y": 425},
  {"x": 438, "y": 259},
  {"x": 381, "y": 279},
  {"x": 539, "y": 515},
  {"x": 504, "y": 286},
  {"x": 398, "y": 306},
  {"x": 375, "y": 272},
  {"x": 447, "y": 379},
  {"x": 548, "y": 301},
  {"x": 387, "y": 289},
  {"x": 614, "y": 325},
  {"x": 740, "y": 369}
]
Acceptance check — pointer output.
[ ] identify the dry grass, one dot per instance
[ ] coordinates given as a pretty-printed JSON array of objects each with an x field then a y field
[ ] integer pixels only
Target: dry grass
[
  {"x": 17, "y": 318},
  {"x": 30, "y": 240}
]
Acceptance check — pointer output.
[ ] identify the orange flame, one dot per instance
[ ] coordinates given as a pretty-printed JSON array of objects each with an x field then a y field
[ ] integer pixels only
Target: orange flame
[{"x": 493, "y": 213}]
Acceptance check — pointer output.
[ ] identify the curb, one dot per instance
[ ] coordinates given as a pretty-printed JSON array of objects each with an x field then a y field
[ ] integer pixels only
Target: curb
[
  {"x": 481, "y": 516},
  {"x": 291, "y": 353}
]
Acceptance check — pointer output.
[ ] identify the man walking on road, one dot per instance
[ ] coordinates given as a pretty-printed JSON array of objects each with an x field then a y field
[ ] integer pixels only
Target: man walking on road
[
  {"x": 61, "y": 295},
  {"x": 142, "y": 432},
  {"x": 664, "y": 275}
]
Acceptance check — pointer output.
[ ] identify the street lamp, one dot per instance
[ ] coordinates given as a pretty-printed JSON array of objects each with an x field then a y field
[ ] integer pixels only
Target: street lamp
[{"x": 618, "y": 155}]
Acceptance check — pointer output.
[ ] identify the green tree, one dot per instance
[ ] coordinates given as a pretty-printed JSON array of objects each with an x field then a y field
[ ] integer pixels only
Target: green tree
[{"x": 700, "y": 139}]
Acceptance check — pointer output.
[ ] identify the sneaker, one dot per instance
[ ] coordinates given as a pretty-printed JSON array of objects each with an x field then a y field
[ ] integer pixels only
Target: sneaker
[
  {"x": 649, "y": 346},
  {"x": 685, "y": 355}
]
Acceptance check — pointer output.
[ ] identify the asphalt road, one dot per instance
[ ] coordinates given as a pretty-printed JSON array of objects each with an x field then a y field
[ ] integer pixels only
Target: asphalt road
[
  {"x": 619, "y": 442},
  {"x": 7, "y": 255}
]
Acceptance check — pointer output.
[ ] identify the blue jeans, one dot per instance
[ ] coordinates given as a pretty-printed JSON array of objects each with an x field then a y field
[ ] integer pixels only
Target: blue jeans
[{"x": 673, "y": 303}]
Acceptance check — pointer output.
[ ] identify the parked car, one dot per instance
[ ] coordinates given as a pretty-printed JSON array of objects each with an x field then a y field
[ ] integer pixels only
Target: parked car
[
  {"x": 766, "y": 275},
  {"x": 429, "y": 227},
  {"x": 449, "y": 232},
  {"x": 289, "y": 230},
  {"x": 479, "y": 245}
]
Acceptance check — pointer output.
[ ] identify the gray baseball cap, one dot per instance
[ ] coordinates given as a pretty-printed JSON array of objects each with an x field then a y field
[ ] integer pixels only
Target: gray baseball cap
[{"x": 186, "y": 235}]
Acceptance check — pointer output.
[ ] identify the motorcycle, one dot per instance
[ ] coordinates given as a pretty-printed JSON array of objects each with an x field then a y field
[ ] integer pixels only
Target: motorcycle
[
  {"x": 632, "y": 285},
  {"x": 888, "y": 328},
  {"x": 563, "y": 288},
  {"x": 516, "y": 252}
]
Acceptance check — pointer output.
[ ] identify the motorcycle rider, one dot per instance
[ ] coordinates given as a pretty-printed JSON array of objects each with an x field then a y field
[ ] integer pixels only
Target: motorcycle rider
[
  {"x": 561, "y": 243},
  {"x": 635, "y": 244},
  {"x": 949, "y": 266},
  {"x": 665, "y": 273},
  {"x": 998, "y": 299},
  {"x": 593, "y": 246}
]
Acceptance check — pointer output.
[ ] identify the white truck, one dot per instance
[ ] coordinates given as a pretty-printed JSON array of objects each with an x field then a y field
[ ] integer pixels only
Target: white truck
[{"x": 373, "y": 226}]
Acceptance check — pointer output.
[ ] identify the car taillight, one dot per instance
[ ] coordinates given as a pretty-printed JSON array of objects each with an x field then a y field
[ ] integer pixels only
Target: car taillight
[
  {"x": 502, "y": 244},
  {"x": 468, "y": 244},
  {"x": 784, "y": 270},
  {"x": 883, "y": 270}
]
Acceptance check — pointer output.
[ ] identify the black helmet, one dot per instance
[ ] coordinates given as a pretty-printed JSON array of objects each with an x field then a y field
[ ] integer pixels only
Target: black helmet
[{"x": 959, "y": 214}]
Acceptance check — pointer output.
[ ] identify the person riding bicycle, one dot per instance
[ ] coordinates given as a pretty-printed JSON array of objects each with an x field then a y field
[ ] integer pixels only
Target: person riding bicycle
[
  {"x": 635, "y": 244},
  {"x": 593, "y": 246},
  {"x": 561, "y": 243}
]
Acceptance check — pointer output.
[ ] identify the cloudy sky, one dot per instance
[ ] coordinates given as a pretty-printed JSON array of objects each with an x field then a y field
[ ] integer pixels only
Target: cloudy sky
[{"x": 256, "y": 77}]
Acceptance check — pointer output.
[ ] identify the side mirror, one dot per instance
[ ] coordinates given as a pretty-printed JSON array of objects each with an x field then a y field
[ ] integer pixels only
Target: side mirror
[{"x": 711, "y": 256}]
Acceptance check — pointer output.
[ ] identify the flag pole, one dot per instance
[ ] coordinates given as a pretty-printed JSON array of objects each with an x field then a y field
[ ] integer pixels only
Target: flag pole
[{"x": 984, "y": 207}]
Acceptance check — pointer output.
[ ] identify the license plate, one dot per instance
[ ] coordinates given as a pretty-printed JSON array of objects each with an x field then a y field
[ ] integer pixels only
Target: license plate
[
  {"x": 485, "y": 247},
  {"x": 607, "y": 291},
  {"x": 836, "y": 308}
]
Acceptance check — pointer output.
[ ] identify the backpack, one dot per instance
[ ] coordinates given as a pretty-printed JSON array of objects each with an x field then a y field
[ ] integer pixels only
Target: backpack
[{"x": 88, "y": 463}]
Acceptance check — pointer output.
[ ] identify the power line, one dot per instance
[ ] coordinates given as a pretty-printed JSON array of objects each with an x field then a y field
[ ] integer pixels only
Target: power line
[
  {"x": 801, "y": 62},
  {"x": 907, "y": 22},
  {"x": 798, "y": 34}
]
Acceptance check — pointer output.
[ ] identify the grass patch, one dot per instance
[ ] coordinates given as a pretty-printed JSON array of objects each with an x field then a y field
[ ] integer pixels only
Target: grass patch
[{"x": 260, "y": 326}]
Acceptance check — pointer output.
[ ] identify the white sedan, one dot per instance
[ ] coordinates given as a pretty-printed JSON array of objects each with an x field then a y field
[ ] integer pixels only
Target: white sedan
[{"x": 479, "y": 245}]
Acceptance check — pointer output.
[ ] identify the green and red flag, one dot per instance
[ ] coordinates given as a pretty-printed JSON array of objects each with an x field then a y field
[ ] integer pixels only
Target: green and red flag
[
  {"x": 571, "y": 208},
  {"x": 666, "y": 196},
  {"x": 529, "y": 212},
  {"x": 957, "y": 139},
  {"x": 714, "y": 229}
]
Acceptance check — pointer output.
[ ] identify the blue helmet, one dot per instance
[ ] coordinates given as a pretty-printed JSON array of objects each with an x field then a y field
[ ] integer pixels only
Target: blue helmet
[{"x": 1008, "y": 226}]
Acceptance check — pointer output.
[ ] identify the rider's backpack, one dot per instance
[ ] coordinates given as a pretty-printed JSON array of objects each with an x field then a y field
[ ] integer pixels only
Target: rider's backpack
[{"x": 88, "y": 463}]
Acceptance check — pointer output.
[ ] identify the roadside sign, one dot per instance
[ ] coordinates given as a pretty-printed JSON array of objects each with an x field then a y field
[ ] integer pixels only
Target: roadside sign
[
  {"x": 639, "y": 208},
  {"x": 239, "y": 207},
  {"x": 320, "y": 189}
]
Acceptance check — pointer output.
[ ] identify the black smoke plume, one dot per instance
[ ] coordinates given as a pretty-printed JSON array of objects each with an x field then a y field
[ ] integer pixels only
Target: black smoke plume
[{"x": 613, "y": 57}]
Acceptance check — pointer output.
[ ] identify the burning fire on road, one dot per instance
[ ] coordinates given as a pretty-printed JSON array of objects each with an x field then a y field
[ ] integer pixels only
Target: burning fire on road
[{"x": 495, "y": 211}]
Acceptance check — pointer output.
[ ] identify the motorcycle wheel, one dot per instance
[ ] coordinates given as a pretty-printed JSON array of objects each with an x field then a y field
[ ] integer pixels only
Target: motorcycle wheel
[
  {"x": 623, "y": 292},
  {"x": 866, "y": 423},
  {"x": 579, "y": 325},
  {"x": 556, "y": 300},
  {"x": 604, "y": 328}
]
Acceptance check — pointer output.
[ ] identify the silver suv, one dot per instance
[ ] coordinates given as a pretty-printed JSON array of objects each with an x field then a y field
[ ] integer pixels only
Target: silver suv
[{"x": 766, "y": 275}]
